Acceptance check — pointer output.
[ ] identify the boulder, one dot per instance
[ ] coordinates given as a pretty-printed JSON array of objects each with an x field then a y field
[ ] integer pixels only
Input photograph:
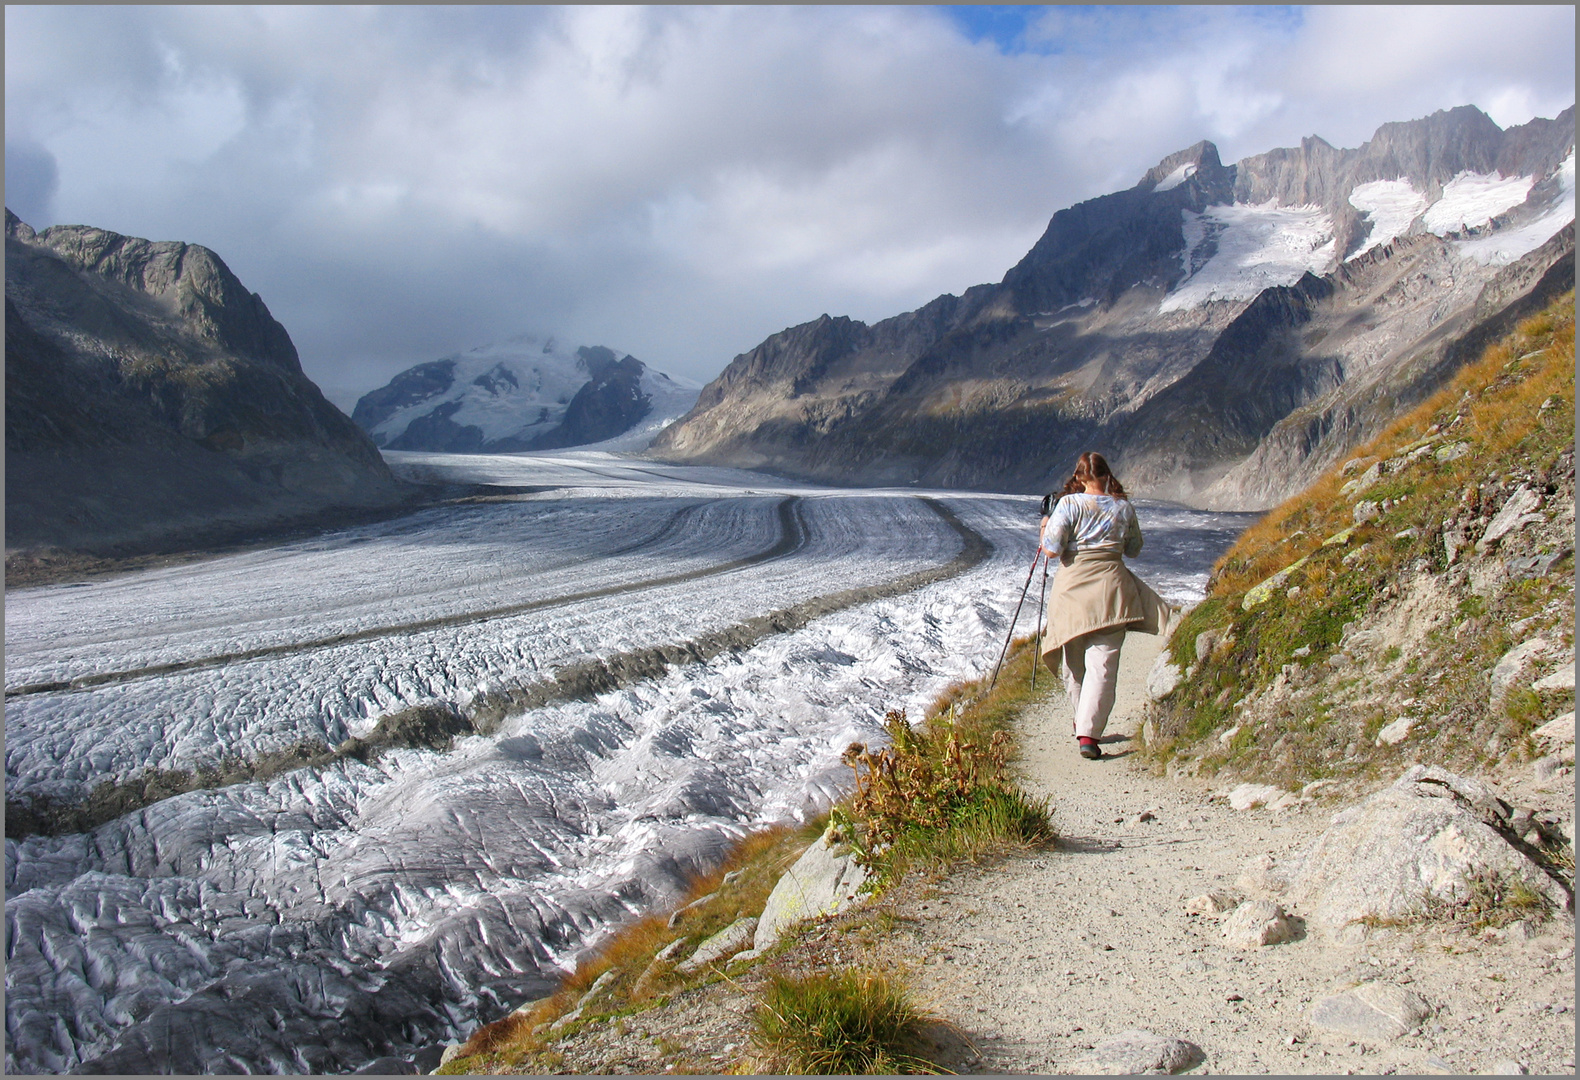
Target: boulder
[
  {"x": 566, "y": 1021},
  {"x": 1264, "y": 876},
  {"x": 1164, "y": 678},
  {"x": 1424, "y": 838},
  {"x": 1365, "y": 511},
  {"x": 1207, "y": 642},
  {"x": 656, "y": 968},
  {"x": 1364, "y": 480},
  {"x": 1548, "y": 771},
  {"x": 1396, "y": 732},
  {"x": 824, "y": 880},
  {"x": 1209, "y": 903},
  {"x": 1562, "y": 679},
  {"x": 1514, "y": 666},
  {"x": 726, "y": 943},
  {"x": 600, "y": 984},
  {"x": 1263, "y": 591},
  {"x": 680, "y": 914},
  {"x": 1522, "y": 502},
  {"x": 1247, "y": 796},
  {"x": 1256, "y": 923},
  {"x": 1285, "y": 801},
  {"x": 1377, "y": 1011},
  {"x": 1559, "y": 732},
  {"x": 1135, "y": 1052}
]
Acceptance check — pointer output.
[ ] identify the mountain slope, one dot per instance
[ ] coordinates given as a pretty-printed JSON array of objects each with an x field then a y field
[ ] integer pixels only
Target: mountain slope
[
  {"x": 1175, "y": 325},
  {"x": 521, "y": 394},
  {"x": 150, "y": 395},
  {"x": 1438, "y": 564}
]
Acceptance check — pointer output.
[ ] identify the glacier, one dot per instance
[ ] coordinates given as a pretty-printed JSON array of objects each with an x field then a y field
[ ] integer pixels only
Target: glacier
[
  {"x": 324, "y": 917},
  {"x": 1233, "y": 252},
  {"x": 1390, "y": 206}
]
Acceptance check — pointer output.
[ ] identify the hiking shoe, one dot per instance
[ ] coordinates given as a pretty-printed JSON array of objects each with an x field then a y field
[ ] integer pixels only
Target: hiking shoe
[{"x": 1091, "y": 751}]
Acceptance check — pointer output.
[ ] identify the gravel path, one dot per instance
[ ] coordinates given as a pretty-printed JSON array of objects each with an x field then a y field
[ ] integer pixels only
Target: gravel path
[{"x": 1036, "y": 959}]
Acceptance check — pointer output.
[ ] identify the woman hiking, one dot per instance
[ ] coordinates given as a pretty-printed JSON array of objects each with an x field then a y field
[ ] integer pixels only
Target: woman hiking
[{"x": 1095, "y": 596}]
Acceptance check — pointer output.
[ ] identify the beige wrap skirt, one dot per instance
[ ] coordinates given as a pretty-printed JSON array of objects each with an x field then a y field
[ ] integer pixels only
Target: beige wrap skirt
[{"x": 1095, "y": 590}]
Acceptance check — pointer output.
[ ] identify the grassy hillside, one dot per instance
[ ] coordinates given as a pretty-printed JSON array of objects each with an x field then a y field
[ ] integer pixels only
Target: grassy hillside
[{"x": 1380, "y": 600}]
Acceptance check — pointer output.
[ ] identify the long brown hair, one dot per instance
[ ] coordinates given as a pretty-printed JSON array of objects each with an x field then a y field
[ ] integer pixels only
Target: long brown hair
[{"x": 1093, "y": 466}]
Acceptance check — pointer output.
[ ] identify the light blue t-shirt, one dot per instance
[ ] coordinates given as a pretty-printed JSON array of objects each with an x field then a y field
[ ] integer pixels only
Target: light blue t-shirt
[{"x": 1092, "y": 523}]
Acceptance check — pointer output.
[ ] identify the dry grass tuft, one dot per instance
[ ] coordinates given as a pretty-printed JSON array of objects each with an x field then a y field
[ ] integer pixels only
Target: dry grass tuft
[{"x": 840, "y": 1023}]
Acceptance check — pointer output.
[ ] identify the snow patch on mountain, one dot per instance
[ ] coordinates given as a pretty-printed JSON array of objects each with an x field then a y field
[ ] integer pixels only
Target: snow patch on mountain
[
  {"x": 1390, "y": 206},
  {"x": 1177, "y": 177},
  {"x": 1504, "y": 247},
  {"x": 1472, "y": 199},
  {"x": 1235, "y": 251}
]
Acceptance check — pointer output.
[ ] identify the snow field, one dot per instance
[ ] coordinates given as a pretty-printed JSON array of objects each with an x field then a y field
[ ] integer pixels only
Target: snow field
[
  {"x": 1391, "y": 205},
  {"x": 1233, "y": 252},
  {"x": 1177, "y": 177},
  {"x": 1258, "y": 246},
  {"x": 1472, "y": 199},
  {"x": 1507, "y": 245}
]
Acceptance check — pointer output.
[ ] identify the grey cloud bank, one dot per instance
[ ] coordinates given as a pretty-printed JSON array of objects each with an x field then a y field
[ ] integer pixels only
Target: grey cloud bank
[{"x": 678, "y": 183}]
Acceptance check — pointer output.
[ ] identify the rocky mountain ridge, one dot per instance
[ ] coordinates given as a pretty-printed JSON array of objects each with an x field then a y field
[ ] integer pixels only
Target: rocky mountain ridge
[
  {"x": 523, "y": 394},
  {"x": 1392, "y": 252},
  {"x": 150, "y": 395}
]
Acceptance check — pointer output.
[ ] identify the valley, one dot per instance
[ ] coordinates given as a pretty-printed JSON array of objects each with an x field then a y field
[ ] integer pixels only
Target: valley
[{"x": 392, "y": 899}]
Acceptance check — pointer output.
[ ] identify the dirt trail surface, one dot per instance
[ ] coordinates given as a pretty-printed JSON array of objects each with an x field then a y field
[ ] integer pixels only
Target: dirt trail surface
[{"x": 1036, "y": 959}]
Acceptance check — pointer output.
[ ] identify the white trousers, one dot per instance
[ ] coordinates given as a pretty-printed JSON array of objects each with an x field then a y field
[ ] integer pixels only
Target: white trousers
[{"x": 1091, "y": 675}]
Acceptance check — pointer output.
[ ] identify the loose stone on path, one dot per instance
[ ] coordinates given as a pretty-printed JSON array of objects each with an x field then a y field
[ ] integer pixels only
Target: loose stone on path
[
  {"x": 1134, "y": 1052},
  {"x": 1374, "y": 1010}
]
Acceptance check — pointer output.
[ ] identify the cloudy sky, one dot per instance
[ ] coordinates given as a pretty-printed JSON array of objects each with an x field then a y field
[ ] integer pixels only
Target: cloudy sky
[{"x": 679, "y": 182}]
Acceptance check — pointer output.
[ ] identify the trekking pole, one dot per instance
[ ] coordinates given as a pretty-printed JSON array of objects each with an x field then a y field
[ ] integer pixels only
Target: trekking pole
[
  {"x": 1023, "y": 591},
  {"x": 1042, "y": 605}
]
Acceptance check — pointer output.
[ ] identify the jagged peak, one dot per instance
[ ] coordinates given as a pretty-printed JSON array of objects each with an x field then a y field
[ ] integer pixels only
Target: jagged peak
[
  {"x": 1203, "y": 156},
  {"x": 1462, "y": 121}
]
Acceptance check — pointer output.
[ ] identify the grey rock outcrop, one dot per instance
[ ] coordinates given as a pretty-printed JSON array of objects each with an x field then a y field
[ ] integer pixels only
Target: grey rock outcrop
[
  {"x": 1556, "y": 733},
  {"x": 826, "y": 879},
  {"x": 1136, "y": 1052},
  {"x": 150, "y": 397},
  {"x": 1163, "y": 678},
  {"x": 1425, "y": 838},
  {"x": 1375, "y": 1011},
  {"x": 726, "y": 943},
  {"x": 1515, "y": 667}
]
